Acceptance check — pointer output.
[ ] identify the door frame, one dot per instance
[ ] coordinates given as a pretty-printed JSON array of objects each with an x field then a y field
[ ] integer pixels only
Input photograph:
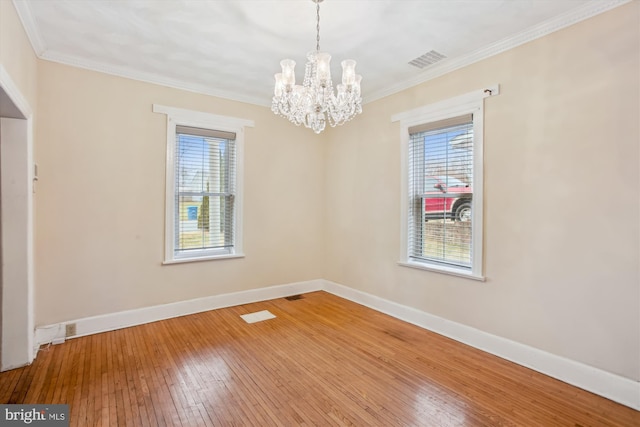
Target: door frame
[{"x": 16, "y": 195}]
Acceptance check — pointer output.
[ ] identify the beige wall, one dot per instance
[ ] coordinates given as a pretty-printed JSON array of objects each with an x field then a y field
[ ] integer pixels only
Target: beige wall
[
  {"x": 561, "y": 197},
  {"x": 100, "y": 212},
  {"x": 16, "y": 54}
]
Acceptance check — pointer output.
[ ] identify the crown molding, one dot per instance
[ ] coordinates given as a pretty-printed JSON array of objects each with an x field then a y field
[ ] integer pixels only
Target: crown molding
[
  {"x": 586, "y": 11},
  {"x": 152, "y": 78},
  {"x": 29, "y": 23}
]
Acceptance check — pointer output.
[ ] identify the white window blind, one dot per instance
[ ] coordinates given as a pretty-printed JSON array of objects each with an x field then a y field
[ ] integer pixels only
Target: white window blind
[
  {"x": 440, "y": 185},
  {"x": 205, "y": 190}
]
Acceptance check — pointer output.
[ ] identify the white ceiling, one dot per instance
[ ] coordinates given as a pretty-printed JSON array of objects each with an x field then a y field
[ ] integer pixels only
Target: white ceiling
[{"x": 232, "y": 48}]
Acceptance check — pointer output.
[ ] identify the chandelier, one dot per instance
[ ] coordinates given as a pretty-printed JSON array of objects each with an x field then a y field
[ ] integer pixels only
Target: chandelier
[{"x": 314, "y": 102}]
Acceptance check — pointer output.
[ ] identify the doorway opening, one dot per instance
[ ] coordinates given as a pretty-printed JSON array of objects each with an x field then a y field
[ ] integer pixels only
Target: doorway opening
[{"x": 16, "y": 227}]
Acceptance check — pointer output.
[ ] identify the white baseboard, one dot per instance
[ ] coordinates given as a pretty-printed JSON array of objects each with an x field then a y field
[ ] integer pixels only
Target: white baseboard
[
  {"x": 52, "y": 334},
  {"x": 619, "y": 389},
  {"x": 614, "y": 387}
]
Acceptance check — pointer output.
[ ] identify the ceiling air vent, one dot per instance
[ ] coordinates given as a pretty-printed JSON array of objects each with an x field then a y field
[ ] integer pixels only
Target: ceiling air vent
[{"x": 427, "y": 59}]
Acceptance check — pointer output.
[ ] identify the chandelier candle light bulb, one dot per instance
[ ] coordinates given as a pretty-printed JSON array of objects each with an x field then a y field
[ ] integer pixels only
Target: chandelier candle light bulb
[
  {"x": 314, "y": 102},
  {"x": 348, "y": 72},
  {"x": 288, "y": 71},
  {"x": 324, "y": 67}
]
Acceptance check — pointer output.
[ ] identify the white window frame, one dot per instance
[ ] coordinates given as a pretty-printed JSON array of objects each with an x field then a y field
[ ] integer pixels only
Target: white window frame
[
  {"x": 198, "y": 119},
  {"x": 469, "y": 103}
]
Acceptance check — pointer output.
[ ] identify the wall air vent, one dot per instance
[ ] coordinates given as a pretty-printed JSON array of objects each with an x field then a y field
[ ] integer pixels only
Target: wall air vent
[{"x": 427, "y": 59}]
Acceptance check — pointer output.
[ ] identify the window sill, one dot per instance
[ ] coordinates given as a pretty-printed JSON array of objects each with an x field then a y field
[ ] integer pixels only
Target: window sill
[
  {"x": 443, "y": 270},
  {"x": 201, "y": 258}
]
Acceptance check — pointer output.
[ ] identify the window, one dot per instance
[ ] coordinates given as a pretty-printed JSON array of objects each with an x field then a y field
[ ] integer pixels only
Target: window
[
  {"x": 442, "y": 185},
  {"x": 205, "y": 170},
  {"x": 203, "y": 216},
  {"x": 441, "y": 192}
]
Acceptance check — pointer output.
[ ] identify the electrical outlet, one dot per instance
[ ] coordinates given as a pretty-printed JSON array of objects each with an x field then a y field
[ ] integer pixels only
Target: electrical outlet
[{"x": 70, "y": 329}]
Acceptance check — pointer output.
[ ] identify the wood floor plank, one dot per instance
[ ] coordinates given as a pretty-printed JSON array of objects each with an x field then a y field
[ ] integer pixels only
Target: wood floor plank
[{"x": 322, "y": 361}]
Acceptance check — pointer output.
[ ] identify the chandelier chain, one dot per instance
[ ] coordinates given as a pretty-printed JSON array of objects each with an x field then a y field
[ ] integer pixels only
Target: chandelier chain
[{"x": 317, "y": 26}]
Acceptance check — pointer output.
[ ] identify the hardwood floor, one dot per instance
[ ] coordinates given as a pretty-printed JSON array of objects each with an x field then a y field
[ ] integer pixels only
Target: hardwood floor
[{"x": 322, "y": 361}]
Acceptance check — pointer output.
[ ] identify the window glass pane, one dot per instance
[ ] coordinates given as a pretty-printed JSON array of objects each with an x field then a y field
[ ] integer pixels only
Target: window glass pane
[
  {"x": 205, "y": 193},
  {"x": 441, "y": 194}
]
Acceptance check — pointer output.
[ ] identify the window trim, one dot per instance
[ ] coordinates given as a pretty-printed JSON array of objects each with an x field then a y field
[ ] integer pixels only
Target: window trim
[
  {"x": 198, "y": 119},
  {"x": 472, "y": 102}
]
